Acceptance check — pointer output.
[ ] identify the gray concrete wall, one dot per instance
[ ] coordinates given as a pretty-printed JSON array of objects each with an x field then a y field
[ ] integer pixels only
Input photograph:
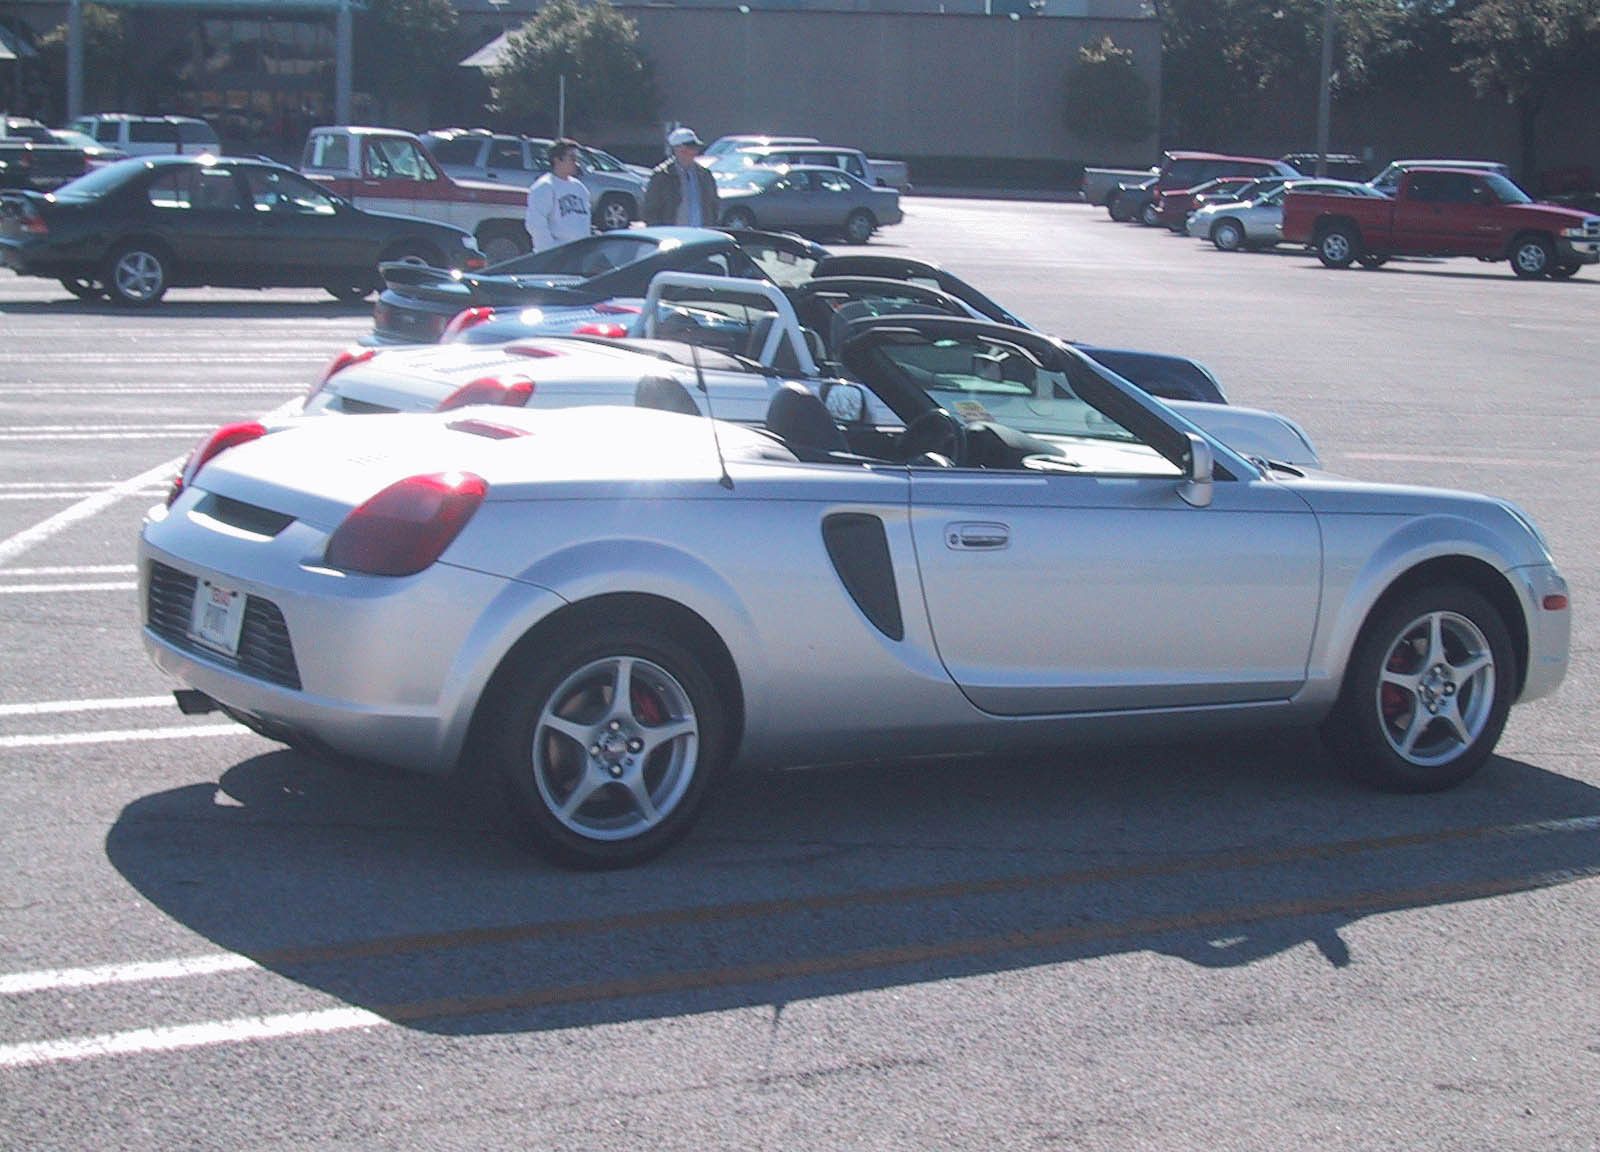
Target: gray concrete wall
[{"x": 893, "y": 84}]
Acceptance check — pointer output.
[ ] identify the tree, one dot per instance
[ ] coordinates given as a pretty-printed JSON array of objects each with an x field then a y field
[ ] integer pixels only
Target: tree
[
  {"x": 608, "y": 79},
  {"x": 105, "y": 55},
  {"x": 403, "y": 48},
  {"x": 1525, "y": 50},
  {"x": 1106, "y": 100}
]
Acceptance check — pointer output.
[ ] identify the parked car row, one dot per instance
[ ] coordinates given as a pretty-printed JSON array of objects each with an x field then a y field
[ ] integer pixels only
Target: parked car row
[{"x": 1437, "y": 208}]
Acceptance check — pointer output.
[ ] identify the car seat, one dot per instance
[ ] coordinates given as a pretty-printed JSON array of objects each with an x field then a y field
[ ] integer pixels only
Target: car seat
[
  {"x": 665, "y": 393},
  {"x": 784, "y": 359},
  {"x": 799, "y": 418}
]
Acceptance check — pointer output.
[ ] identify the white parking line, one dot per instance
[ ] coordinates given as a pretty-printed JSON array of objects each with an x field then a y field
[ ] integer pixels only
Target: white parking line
[
  {"x": 189, "y": 1036},
  {"x": 124, "y": 736},
  {"x": 55, "y": 979},
  {"x": 34, "y": 589},
  {"x": 57, "y": 707},
  {"x": 71, "y": 570}
]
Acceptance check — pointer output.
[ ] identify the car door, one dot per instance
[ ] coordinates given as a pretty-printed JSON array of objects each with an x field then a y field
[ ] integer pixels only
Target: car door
[
  {"x": 1429, "y": 216},
  {"x": 1082, "y": 580},
  {"x": 507, "y": 161},
  {"x": 198, "y": 210},
  {"x": 391, "y": 176},
  {"x": 303, "y": 235}
]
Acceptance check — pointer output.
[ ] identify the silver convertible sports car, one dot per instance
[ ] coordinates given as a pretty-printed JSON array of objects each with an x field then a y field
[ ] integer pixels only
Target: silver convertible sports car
[{"x": 605, "y": 607}]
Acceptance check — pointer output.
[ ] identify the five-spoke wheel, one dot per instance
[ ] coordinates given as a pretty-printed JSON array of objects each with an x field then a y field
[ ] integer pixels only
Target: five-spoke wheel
[
  {"x": 136, "y": 275},
  {"x": 1427, "y": 691},
  {"x": 609, "y": 745}
]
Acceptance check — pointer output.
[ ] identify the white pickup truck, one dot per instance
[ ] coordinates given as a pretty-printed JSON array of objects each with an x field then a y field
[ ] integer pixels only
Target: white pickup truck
[{"x": 389, "y": 170}]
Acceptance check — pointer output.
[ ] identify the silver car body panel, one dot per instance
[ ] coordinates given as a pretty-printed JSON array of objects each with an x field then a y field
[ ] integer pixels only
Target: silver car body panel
[{"x": 1037, "y": 607}]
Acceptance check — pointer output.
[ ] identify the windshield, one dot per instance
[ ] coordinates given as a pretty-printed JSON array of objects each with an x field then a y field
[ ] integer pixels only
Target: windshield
[{"x": 754, "y": 178}]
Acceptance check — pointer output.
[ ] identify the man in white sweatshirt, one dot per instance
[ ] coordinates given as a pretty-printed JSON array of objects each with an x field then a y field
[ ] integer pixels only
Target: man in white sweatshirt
[{"x": 558, "y": 203}]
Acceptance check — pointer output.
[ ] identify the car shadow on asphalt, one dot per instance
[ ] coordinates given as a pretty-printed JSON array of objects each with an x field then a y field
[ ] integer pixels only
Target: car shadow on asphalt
[{"x": 401, "y": 896}]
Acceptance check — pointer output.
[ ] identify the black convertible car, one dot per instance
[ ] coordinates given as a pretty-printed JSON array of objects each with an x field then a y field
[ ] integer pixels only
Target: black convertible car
[
  {"x": 133, "y": 229},
  {"x": 561, "y": 286}
]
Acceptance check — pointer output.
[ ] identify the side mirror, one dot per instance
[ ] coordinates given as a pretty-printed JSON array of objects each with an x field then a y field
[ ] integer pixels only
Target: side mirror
[
  {"x": 845, "y": 402},
  {"x": 1196, "y": 486}
]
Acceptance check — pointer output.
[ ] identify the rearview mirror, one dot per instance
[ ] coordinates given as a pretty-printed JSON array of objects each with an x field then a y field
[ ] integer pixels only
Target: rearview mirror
[{"x": 1196, "y": 487}]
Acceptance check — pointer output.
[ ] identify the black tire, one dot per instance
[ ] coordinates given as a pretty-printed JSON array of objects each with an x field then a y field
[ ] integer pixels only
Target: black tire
[
  {"x": 1532, "y": 256},
  {"x": 137, "y": 274},
  {"x": 1228, "y": 235},
  {"x": 613, "y": 212},
  {"x": 1426, "y": 693},
  {"x": 739, "y": 218},
  {"x": 558, "y": 731},
  {"x": 1339, "y": 245},
  {"x": 1564, "y": 271},
  {"x": 859, "y": 226},
  {"x": 1150, "y": 215},
  {"x": 82, "y": 289},
  {"x": 1371, "y": 260},
  {"x": 348, "y": 293},
  {"x": 1118, "y": 208}
]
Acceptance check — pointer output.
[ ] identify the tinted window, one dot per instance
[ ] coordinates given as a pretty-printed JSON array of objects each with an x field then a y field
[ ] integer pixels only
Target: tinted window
[
  {"x": 195, "y": 132},
  {"x": 506, "y": 154},
  {"x": 329, "y": 151},
  {"x": 275, "y": 191},
  {"x": 171, "y": 189},
  {"x": 462, "y": 150},
  {"x": 152, "y": 132},
  {"x": 106, "y": 131}
]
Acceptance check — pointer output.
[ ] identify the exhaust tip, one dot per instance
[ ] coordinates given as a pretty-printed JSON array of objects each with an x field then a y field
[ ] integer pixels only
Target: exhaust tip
[{"x": 193, "y": 702}]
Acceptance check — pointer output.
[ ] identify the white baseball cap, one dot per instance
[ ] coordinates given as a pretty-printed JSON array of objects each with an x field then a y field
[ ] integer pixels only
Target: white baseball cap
[{"x": 681, "y": 137}]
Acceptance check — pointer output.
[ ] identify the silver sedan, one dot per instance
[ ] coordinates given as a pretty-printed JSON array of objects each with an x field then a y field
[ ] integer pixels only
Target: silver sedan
[{"x": 1258, "y": 223}]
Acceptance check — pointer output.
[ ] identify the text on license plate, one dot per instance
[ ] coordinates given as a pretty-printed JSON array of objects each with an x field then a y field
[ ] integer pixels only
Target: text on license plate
[{"x": 218, "y": 617}]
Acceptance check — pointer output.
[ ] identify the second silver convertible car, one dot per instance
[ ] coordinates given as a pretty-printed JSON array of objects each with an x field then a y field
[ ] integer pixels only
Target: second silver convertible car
[{"x": 604, "y": 607}]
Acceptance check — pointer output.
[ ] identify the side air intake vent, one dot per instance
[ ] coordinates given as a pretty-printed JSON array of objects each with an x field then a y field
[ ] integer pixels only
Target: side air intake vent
[{"x": 860, "y": 553}]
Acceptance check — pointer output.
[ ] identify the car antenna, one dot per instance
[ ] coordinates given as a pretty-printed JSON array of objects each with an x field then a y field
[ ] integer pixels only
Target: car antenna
[{"x": 700, "y": 382}]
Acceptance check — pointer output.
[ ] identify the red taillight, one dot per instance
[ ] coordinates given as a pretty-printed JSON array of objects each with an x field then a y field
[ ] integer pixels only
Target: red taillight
[
  {"x": 506, "y": 391},
  {"x": 228, "y": 436},
  {"x": 608, "y": 309},
  {"x": 338, "y": 364},
  {"x": 464, "y": 319},
  {"x": 475, "y": 263},
  {"x": 33, "y": 223},
  {"x": 407, "y": 526},
  {"x": 597, "y": 328}
]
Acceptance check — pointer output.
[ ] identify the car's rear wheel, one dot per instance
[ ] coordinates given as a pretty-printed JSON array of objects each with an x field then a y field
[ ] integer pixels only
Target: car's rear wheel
[
  {"x": 739, "y": 218},
  {"x": 1371, "y": 260},
  {"x": 1118, "y": 208},
  {"x": 1564, "y": 271},
  {"x": 859, "y": 227},
  {"x": 1228, "y": 235},
  {"x": 1150, "y": 215},
  {"x": 136, "y": 274},
  {"x": 1532, "y": 257},
  {"x": 607, "y": 744},
  {"x": 1338, "y": 246},
  {"x": 613, "y": 212},
  {"x": 1427, "y": 691},
  {"x": 89, "y": 289}
]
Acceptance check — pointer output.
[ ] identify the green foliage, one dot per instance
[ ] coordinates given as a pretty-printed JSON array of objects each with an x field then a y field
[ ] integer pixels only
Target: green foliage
[
  {"x": 403, "y": 47},
  {"x": 1105, "y": 98},
  {"x": 1521, "y": 49},
  {"x": 608, "y": 79}
]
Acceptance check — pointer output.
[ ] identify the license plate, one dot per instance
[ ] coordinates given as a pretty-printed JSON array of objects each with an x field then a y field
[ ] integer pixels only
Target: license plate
[{"x": 218, "y": 617}]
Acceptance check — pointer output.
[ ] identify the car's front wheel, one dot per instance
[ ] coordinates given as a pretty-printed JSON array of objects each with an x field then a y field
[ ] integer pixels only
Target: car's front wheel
[
  {"x": 607, "y": 744},
  {"x": 136, "y": 274},
  {"x": 348, "y": 293},
  {"x": 1532, "y": 257},
  {"x": 1150, "y": 215},
  {"x": 1228, "y": 235},
  {"x": 1427, "y": 691},
  {"x": 859, "y": 227},
  {"x": 1564, "y": 271}
]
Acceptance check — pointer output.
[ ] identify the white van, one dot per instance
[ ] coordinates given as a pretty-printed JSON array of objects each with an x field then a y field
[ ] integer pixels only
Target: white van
[{"x": 150, "y": 135}]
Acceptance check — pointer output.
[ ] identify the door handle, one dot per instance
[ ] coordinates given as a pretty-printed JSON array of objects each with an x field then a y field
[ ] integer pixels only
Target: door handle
[{"x": 972, "y": 536}]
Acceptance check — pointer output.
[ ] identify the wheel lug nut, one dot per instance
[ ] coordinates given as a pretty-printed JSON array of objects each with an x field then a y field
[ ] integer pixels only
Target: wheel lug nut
[
  {"x": 615, "y": 725},
  {"x": 594, "y": 749},
  {"x": 636, "y": 745}
]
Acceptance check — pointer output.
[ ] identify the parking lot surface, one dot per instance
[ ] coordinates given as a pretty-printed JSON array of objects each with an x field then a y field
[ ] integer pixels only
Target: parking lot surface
[{"x": 212, "y": 941}]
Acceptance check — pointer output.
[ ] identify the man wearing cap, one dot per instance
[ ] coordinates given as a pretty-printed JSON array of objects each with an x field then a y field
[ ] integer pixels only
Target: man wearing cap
[{"x": 681, "y": 190}]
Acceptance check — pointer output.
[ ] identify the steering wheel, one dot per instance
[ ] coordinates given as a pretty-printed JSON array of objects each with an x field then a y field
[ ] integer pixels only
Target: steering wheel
[{"x": 938, "y": 431}]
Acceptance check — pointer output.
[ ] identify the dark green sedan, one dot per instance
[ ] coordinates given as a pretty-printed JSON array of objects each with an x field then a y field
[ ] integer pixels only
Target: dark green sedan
[{"x": 133, "y": 229}]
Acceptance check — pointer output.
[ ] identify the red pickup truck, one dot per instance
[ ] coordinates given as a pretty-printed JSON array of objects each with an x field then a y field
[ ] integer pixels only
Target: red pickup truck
[{"x": 1445, "y": 212}]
